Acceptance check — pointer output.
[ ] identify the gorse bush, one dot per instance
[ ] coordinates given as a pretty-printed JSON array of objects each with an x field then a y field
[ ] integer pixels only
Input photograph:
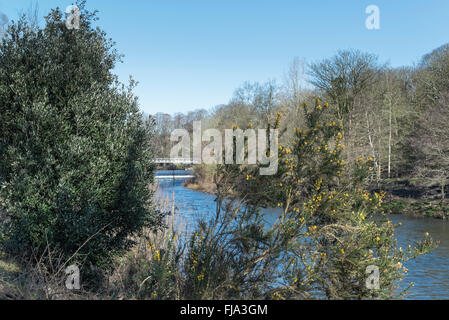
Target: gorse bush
[
  {"x": 332, "y": 227},
  {"x": 75, "y": 151},
  {"x": 329, "y": 232}
]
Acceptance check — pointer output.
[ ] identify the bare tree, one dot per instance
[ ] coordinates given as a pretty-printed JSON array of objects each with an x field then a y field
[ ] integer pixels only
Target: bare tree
[
  {"x": 295, "y": 82},
  {"x": 344, "y": 77},
  {"x": 262, "y": 98},
  {"x": 433, "y": 143}
]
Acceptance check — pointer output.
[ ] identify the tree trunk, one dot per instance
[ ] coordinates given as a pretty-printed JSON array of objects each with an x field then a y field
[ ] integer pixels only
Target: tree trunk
[
  {"x": 372, "y": 146},
  {"x": 389, "y": 144},
  {"x": 443, "y": 194}
]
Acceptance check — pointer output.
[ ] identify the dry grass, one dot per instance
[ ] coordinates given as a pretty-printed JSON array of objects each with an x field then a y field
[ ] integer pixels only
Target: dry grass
[
  {"x": 144, "y": 271},
  {"x": 38, "y": 278},
  {"x": 206, "y": 187},
  {"x": 134, "y": 276}
]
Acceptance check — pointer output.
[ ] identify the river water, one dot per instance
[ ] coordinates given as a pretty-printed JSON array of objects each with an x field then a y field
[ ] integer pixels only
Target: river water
[{"x": 429, "y": 273}]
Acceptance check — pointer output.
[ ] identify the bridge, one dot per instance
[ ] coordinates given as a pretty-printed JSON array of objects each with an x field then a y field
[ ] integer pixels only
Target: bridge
[
  {"x": 175, "y": 161},
  {"x": 173, "y": 174},
  {"x": 175, "y": 177}
]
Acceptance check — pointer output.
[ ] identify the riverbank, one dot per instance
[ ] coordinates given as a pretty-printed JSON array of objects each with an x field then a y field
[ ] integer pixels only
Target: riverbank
[
  {"x": 418, "y": 208},
  {"x": 412, "y": 198},
  {"x": 203, "y": 180},
  {"x": 403, "y": 197},
  {"x": 209, "y": 188}
]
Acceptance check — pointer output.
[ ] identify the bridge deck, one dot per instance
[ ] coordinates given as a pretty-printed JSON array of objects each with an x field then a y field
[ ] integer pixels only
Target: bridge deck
[
  {"x": 161, "y": 177},
  {"x": 175, "y": 161}
]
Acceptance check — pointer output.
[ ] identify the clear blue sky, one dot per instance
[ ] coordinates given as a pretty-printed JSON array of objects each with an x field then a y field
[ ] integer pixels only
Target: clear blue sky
[{"x": 193, "y": 54}]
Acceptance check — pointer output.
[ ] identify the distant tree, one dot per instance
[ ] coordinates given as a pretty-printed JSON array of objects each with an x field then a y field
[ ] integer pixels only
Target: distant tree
[
  {"x": 196, "y": 115},
  {"x": 163, "y": 128},
  {"x": 344, "y": 77},
  {"x": 432, "y": 76},
  {"x": 428, "y": 146},
  {"x": 381, "y": 123},
  {"x": 233, "y": 114},
  {"x": 262, "y": 98},
  {"x": 433, "y": 144},
  {"x": 295, "y": 83},
  {"x": 75, "y": 159}
]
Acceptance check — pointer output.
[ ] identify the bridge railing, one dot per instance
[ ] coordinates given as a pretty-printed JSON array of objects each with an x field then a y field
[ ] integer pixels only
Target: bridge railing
[{"x": 175, "y": 161}]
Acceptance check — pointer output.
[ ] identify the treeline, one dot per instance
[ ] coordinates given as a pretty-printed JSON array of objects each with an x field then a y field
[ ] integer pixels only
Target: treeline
[{"x": 396, "y": 116}]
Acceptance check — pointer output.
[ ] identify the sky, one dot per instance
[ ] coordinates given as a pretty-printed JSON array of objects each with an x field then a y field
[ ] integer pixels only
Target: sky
[{"x": 192, "y": 54}]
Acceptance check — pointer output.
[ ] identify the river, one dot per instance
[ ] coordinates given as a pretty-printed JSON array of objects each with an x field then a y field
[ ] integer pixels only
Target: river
[{"x": 429, "y": 273}]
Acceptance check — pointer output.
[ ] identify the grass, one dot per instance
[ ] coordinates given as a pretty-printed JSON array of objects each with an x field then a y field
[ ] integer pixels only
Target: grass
[
  {"x": 9, "y": 271},
  {"x": 418, "y": 208}
]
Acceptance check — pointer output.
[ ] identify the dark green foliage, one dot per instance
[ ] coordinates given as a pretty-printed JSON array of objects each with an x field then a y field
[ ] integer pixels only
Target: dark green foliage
[
  {"x": 75, "y": 153},
  {"x": 395, "y": 206}
]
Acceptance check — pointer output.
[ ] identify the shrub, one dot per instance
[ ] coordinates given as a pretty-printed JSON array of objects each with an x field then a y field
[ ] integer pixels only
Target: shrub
[
  {"x": 328, "y": 232},
  {"x": 76, "y": 153}
]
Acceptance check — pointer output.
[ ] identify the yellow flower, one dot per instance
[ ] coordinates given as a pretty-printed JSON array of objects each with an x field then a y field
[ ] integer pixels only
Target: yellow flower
[{"x": 157, "y": 255}]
